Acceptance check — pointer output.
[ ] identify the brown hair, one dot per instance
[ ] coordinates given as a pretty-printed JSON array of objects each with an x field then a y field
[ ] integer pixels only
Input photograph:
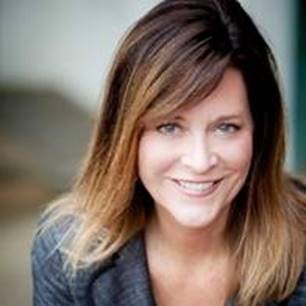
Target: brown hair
[{"x": 174, "y": 55}]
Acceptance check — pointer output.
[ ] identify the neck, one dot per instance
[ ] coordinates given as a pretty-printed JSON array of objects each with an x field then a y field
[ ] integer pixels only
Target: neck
[{"x": 186, "y": 244}]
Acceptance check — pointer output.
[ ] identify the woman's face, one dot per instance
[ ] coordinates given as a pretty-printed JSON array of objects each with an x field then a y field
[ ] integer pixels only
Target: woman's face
[{"x": 194, "y": 161}]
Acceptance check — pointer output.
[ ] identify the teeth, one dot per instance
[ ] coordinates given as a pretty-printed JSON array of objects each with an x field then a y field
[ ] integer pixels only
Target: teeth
[{"x": 195, "y": 186}]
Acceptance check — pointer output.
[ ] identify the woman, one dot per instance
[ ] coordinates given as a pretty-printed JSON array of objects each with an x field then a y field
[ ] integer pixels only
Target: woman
[{"x": 183, "y": 198}]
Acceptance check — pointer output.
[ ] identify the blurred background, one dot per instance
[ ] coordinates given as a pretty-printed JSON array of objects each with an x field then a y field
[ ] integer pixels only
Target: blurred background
[{"x": 54, "y": 56}]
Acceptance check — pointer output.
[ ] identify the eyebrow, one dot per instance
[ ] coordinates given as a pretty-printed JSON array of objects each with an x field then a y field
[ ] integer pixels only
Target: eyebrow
[
  {"x": 228, "y": 117},
  {"x": 219, "y": 118}
]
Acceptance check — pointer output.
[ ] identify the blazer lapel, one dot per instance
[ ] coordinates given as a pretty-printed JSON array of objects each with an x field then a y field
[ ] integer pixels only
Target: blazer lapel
[{"x": 125, "y": 281}]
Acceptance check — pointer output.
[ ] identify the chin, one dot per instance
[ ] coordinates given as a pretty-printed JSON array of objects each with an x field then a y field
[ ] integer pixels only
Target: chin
[{"x": 195, "y": 222}]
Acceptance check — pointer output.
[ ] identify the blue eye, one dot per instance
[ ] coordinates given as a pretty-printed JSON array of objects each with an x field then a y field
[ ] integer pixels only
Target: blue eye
[
  {"x": 168, "y": 128},
  {"x": 228, "y": 128}
]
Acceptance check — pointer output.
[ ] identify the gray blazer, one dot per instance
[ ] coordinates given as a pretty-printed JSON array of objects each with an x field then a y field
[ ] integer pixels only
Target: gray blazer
[{"x": 123, "y": 280}]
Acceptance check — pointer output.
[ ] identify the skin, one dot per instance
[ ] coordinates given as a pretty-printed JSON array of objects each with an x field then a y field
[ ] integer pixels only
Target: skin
[
  {"x": 209, "y": 142},
  {"x": 209, "y": 145}
]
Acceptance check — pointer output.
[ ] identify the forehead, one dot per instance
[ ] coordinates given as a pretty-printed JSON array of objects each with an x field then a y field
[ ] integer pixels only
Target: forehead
[{"x": 228, "y": 98}]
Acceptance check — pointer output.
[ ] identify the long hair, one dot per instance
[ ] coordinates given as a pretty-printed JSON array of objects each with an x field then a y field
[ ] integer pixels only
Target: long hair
[{"x": 173, "y": 56}]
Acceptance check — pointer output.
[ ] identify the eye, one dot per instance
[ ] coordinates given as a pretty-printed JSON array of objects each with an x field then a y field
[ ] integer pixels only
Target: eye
[
  {"x": 169, "y": 128},
  {"x": 228, "y": 128}
]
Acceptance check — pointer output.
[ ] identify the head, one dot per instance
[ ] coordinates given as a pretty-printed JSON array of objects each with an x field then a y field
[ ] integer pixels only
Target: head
[{"x": 174, "y": 58}]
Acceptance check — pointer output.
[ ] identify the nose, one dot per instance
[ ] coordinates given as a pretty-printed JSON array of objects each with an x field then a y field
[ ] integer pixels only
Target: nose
[{"x": 199, "y": 155}]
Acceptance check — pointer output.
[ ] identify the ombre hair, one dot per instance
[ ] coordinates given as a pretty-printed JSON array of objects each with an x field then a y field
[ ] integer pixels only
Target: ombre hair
[{"x": 173, "y": 56}]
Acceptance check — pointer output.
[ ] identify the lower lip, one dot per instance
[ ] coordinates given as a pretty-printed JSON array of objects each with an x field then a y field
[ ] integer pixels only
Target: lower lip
[{"x": 198, "y": 194}]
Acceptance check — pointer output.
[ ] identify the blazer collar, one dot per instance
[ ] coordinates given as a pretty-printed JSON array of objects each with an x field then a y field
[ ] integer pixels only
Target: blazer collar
[{"x": 125, "y": 281}]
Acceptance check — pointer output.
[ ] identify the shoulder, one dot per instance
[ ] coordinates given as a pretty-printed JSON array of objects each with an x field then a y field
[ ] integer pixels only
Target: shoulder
[
  {"x": 54, "y": 282},
  {"x": 50, "y": 277},
  {"x": 49, "y": 239},
  {"x": 107, "y": 283},
  {"x": 300, "y": 291},
  {"x": 55, "y": 229},
  {"x": 298, "y": 297}
]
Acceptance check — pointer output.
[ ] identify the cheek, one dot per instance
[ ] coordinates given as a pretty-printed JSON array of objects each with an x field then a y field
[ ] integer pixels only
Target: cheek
[
  {"x": 238, "y": 155},
  {"x": 154, "y": 155}
]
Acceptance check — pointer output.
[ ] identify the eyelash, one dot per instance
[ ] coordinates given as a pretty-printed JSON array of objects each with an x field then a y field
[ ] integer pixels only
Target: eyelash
[
  {"x": 171, "y": 128},
  {"x": 168, "y": 128},
  {"x": 228, "y": 128}
]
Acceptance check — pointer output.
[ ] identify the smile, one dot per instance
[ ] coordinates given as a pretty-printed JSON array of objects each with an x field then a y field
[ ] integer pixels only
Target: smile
[{"x": 197, "y": 188}]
